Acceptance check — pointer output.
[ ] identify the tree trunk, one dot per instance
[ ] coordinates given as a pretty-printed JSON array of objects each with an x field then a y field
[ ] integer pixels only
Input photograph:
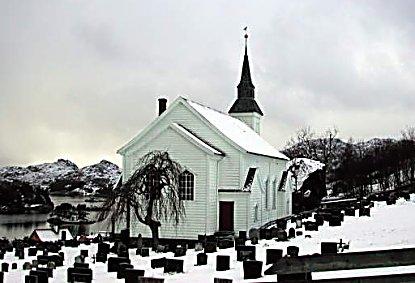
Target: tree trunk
[{"x": 155, "y": 234}]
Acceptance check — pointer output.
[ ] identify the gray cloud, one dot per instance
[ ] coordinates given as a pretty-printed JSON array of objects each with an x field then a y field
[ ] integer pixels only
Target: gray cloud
[{"x": 79, "y": 79}]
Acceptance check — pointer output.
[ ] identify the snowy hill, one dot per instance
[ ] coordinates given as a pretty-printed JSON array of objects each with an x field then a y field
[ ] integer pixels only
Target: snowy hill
[{"x": 64, "y": 176}]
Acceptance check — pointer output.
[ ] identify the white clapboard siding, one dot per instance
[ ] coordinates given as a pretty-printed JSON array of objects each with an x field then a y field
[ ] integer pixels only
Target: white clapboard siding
[{"x": 194, "y": 160}]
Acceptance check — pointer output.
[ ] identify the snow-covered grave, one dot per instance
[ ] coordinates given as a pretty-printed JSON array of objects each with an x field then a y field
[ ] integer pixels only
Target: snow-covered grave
[{"x": 390, "y": 226}]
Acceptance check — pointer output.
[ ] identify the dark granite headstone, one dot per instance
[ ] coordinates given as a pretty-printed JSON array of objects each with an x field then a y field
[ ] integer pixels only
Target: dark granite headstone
[
  {"x": 132, "y": 275},
  {"x": 47, "y": 270},
  {"x": 150, "y": 280},
  {"x": 273, "y": 255},
  {"x": 180, "y": 251},
  {"x": 27, "y": 266},
  {"x": 29, "y": 279},
  {"x": 145, "y": 252},
  {"x": 5, "y": 267},
  {"x": 14, "y": 265},
  {"x": 310, "y": 226},
  {"x": 158, "y": 262},
  {"x": 298, "y": 233},
  {"x": 210, "y": 247},
  {"x": 335, "y": 220},
  {"x": 282, "y": 224},
  {"x": 173, "y": 266},
  {"x": 101, "y": 257},
  {"x": 245, "y": 253},
  {"x": 42, "y": 276},
  {"x": 291, "y": 233},
  {"x": 84, "y": 253},
  {"x": 32, "y": 251},
  {"x": 282, "y": 235},
  {"x": 121, "y": 269},
  {"x": 80, "y": 264},
  {"x": 222, "y": 262},
  {"x": 87, "y": 272},
  {"x": 201, "y": 259},
  {"x": 293, "y": 250},
  {"x": 225, "y": 243},
  {"x": 103, "y": 248},
  {"x": 242, "y": 235},
  {"x": 113, "y": 263},
  {"x": 328, "y": 248},
  {"x": 252, "y": 269}
]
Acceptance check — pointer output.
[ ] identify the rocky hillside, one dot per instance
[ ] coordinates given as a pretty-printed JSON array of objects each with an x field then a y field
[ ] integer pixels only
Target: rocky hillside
[{"x": 63, "y": 177}]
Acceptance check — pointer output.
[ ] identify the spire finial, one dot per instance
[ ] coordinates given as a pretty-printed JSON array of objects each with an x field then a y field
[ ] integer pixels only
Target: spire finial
[{"x": 246, "y": 40}]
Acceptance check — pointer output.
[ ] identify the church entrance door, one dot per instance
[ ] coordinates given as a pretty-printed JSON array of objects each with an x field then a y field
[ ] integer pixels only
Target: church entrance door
[{"x": 226, "y": 215}]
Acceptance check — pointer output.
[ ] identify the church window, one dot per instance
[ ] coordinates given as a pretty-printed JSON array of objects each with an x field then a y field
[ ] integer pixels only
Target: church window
[
  {"x": 283, "y": 181},
  {"x": 186, "y": 186},
  {"x": 266, "y": 193},
  {"x": 256, "y": 213},
  {"x": 274, "y": 194},
  {"x": 249, "y": 178}
]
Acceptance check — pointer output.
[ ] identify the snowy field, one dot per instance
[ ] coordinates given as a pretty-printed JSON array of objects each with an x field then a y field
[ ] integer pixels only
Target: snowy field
[{"x": 388, "y": 227}]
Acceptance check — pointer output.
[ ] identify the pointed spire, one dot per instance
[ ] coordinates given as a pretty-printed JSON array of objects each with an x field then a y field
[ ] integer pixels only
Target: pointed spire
[{"x": 245, "y": 102}]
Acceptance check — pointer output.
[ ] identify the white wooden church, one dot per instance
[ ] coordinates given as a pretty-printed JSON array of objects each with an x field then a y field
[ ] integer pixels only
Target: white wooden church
[{"x": 233, "y": 177}]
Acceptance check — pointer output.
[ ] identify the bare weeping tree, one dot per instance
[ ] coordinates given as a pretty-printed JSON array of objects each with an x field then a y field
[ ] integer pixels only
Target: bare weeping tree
[{"x": 151, "y": 193}]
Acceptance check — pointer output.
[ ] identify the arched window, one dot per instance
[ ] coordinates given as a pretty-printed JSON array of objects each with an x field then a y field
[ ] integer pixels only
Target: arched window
[
  {"x": 274, "y": 194},
  {"x": 186, "y": 186},
  {"x": 256, "y": 213}
]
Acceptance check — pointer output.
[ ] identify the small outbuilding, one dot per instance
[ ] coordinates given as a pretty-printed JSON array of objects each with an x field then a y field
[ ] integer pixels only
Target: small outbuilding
[{"x": 50, "y": 235}]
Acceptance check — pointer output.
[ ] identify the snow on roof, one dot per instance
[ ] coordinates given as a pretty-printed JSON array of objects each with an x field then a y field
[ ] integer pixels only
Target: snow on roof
[
  {"x": 237, "y": 131},
  {"x": 196, "y": 139},
  {"x": 48, "y": 235}
]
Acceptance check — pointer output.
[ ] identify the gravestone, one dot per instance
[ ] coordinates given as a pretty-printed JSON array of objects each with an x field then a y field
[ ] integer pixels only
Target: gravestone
[
  {"x": 173, "y": 266},
  {"x": 328, "y": 248},
  {"x": 254, "y": 241},
  {"x": 158, "y": 262},
  {"x": 201, "y": 259},
  {"x": 225, "y": 243},
  {"x": 282, "y": 235},
  {"x": 298, "y": 233},
  {"x": 80, "y": 264},
  {"x": 139, "y": 243},
  {"x": 298, "y": 223},
  {"x": 350, "y": 212},
  {"x": 121, "y": 269},
  {"x": 239, "y": 242},
  {"x": 27, "y": 266},
  {"x": 310, "y": 226},
  {"x": 293, "y": 251},
  {"x": 282, "y": 224},
  {"x": 101, "y": 257},
  {"x": 180, "y": 251},
  {"x": 29, "y": 279},
  {"x": 319, "y": 219},
  {"x": 291, "y": 233},
  {"x": 42, "y": 276},
  {"x": 51, "y": 265},
  {"x": 273, "y": 255},
  {"x": 32, "y": 251},
  {"x": 198, "y": 247},
  {"x": 35, "y": 263},
  {"x": 132, "y": 275},
  {"x": 79, "y": 274},
  {"x": 14, "y": 265},
  {"x": 47, "y": 270},
  {"x": 5, "y": 267},
  {"x": 335, "y": 220},
  {"x": 242, "y": 235},
  {"x": 253, "y": 233},
  {"x": 103, "y": 248},
  {"x": 252, "y": 269},
  {"x": 210, "y": 247},
  {"x": 160, "y": 249},
  {"x": 113, "y": 263},
  {"x": 245, "y": 253},
  {"x": 222, "y": 262},
  {"x": 145, "y": 252}
]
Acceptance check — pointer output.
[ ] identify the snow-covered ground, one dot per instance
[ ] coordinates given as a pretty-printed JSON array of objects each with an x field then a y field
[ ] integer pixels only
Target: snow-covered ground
[{"x": 388, "y": 227}]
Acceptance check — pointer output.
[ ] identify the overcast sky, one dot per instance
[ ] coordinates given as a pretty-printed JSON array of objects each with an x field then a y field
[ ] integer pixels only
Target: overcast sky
[{"x": 78, "y": 79}]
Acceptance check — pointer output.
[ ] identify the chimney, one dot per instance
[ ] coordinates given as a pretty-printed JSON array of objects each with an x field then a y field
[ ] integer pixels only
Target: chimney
[{"x": 162, "y": 105}]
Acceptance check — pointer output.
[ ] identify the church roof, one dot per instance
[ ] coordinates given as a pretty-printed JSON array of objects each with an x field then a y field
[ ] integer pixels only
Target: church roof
[{"x": 237, "y": 131}]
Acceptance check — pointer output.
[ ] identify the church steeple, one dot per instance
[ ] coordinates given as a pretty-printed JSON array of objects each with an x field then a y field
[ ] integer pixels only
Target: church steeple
[
  {"x": 245, "y": 103},
  {"x": 245, "y": 108}
]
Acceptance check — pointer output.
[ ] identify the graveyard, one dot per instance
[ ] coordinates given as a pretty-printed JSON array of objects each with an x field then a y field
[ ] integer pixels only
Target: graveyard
[{"x": 389, "y": 229}]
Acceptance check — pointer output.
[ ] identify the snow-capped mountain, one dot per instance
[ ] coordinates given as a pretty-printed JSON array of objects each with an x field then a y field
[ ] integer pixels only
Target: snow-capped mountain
[{"x": 64, "y": 176}]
